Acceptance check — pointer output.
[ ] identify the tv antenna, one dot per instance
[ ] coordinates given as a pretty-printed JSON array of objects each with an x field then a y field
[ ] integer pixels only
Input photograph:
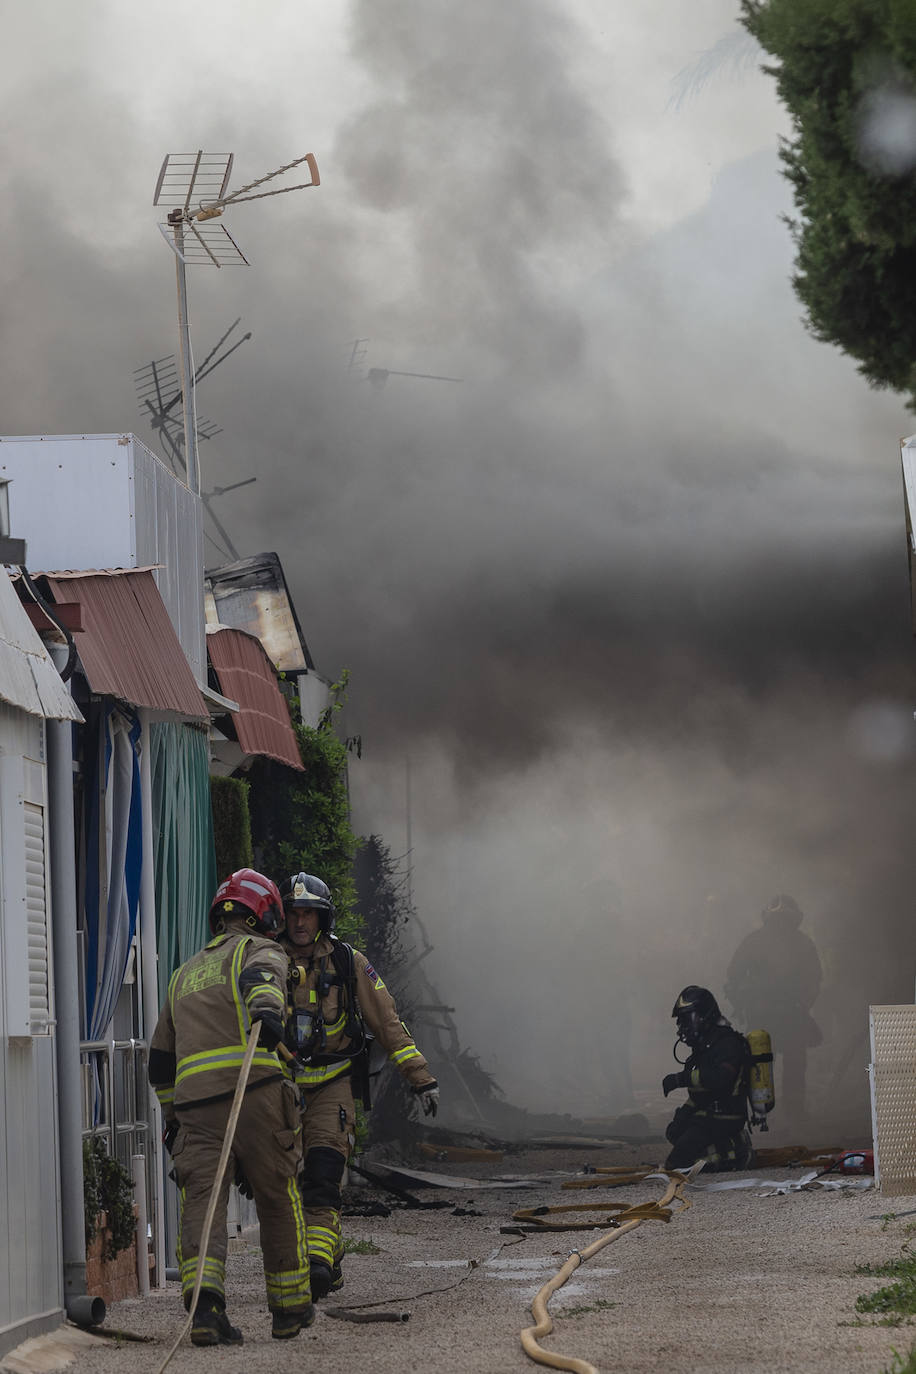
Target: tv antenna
[
  {"x": 200, "y": 180},
  {"x": 159, "y": 394},
  {"x": 378, "y": 376}
]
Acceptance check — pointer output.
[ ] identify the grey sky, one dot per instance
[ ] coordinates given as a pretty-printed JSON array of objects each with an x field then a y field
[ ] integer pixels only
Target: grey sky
[{"x": 634, "y": 591}]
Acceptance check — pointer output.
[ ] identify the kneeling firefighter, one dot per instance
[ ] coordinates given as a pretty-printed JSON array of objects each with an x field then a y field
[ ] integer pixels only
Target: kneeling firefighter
[
  {"x": 712, "y": 1124},
  {"x": 336, "y": 996}
]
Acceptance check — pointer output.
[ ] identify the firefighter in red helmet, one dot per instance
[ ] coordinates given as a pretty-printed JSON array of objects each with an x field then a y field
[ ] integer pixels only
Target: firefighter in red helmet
[
  {"x": 195, "y": 1054},
  {"x": 336, "y": 994}
]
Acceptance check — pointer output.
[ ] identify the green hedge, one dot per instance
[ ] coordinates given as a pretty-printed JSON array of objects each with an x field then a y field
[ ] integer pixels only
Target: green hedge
[{"x": 231, "y": 825}]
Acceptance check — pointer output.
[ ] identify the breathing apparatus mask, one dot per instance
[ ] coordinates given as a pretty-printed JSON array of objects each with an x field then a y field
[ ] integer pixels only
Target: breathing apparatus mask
[
  {"x": 690, "y": 1029},
  {"x": 696, "y": 1011},
  {"x": 306, "y": 1034}
]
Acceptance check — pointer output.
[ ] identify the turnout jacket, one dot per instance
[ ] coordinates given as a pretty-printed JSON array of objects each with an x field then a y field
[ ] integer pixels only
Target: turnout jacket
[
  {"x": 321, "y": 990},
  {"x": 200, "y": 1038},
  {"x": 716, "y": 1076}
]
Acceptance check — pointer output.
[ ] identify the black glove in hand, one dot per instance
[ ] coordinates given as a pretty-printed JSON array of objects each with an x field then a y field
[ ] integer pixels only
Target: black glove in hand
[
  {"x": 241, "y": 1182},
  {"x": 271, "y": 1028},
  {"x": 672, "y": 1081},
  {"x": 169, "y": 1134}
]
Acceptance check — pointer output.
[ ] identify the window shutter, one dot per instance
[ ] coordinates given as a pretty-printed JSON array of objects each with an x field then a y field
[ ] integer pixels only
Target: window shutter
[{"x": 37, "y": 919}]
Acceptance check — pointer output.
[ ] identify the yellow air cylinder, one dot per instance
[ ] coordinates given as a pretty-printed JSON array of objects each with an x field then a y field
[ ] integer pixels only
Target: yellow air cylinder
[{"x": 761, "y": 1093}]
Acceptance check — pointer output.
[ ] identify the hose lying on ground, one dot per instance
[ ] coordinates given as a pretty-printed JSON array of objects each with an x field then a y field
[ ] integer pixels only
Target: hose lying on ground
[
  {"x": 217, "y": 1183},
  {"x": 614, "y": 1177},
  {"x": 627, "y": 1220}
]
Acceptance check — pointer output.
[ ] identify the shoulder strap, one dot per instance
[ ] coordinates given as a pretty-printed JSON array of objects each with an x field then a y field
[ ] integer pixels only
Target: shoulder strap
[
  {"x": 343, "y": 961},
  {"x": 345, "y": 968}
]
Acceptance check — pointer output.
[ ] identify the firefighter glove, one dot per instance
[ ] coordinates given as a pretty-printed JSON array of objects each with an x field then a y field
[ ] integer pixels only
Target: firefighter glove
[
  {"x": 672, "y": 1081},
  {"x": 271, "y": 1028},
  {"x": 169, "y": 1134},
  {"x": 429, "y": 1098}
]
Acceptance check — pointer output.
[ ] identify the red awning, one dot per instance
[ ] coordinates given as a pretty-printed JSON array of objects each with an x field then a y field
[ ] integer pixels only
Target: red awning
[
  {"x": 128, "y": 646},
  {"x": 246, "y": 675}
]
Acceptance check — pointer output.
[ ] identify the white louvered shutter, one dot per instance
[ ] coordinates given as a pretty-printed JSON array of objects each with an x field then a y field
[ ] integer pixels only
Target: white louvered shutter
[{"x": 37, "y": 919}]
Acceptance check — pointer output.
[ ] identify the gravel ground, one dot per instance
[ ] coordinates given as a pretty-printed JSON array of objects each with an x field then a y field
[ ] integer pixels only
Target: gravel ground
[{"x": 738, "y": 1282}]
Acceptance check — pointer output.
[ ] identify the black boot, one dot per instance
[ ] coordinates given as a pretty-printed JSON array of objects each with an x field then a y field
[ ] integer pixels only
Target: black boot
[
  {"x": 337, "y": 1278},
  {"x": 211, "y": 1326},
  {"x": 290, "y": 1321},
  {"x": 321, "y": 1279}
]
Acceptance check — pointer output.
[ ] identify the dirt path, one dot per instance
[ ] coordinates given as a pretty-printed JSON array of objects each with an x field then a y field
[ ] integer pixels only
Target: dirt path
[{"x": 738, "y": 1282}]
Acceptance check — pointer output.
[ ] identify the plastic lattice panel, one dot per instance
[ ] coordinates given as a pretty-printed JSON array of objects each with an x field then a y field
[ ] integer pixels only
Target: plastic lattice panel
[{"x": 893, "y": 1097}]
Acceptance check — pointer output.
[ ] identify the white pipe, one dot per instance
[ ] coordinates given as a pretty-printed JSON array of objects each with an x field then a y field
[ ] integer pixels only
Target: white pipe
[
  {"x": 138, "y": 1170},
  {"x": 80, "y": 1307},
  {"x": 149, "y": 983},
  {"x": 189, "y": 400}
]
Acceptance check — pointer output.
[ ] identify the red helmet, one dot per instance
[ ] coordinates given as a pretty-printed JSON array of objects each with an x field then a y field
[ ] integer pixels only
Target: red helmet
[{"x": 249, "y": 894}]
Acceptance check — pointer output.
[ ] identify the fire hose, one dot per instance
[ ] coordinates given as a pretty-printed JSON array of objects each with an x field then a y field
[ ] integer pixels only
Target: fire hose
[
  {"x": 628, "y": 1218},
  {"x": 217, "y": 1183}
]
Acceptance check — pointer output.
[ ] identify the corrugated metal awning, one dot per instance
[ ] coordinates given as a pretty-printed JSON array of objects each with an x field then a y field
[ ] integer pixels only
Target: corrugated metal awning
[
  {"x": 128, "y": 647},
  {"x": 246, "y": 674},
  {"x": 28, "y": 678}
]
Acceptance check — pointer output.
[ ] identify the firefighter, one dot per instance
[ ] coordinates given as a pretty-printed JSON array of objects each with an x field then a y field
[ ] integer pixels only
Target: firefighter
[
  {"x": 195, "y": 1054},
  {"x": 712, "y": 1124},
  {"x": 336, "y": 995},
  {"x": 773, "y": 980}
]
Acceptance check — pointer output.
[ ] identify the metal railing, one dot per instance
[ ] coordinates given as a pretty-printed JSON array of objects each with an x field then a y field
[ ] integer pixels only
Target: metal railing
[{"x": 115, "y": 1100}]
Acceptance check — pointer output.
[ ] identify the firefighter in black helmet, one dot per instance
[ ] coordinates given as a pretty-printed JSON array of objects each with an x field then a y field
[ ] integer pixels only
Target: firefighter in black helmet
[
  {"x": 712, "y": 1124},
  {"x": 337, "y": 995}
]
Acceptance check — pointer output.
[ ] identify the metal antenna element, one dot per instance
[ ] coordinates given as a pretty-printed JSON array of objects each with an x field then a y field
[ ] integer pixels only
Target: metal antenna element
[
  {"x": 200, "y": 179},
  {"x": 158, "y": 393},
  {"x": 358, "y": 351},
  {"x": 378, "y": 376}
]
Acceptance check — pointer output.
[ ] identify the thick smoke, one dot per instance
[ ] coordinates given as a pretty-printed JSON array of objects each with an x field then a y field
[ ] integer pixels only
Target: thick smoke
[{"x": 631, "y": 596}]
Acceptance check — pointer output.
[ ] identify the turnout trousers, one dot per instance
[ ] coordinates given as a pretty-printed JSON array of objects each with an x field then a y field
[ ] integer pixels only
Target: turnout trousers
[
  {"x": 724, "y": 1144},
  {"x": 327, "y": 1138},
  {"x": 267, "y": 1145}
]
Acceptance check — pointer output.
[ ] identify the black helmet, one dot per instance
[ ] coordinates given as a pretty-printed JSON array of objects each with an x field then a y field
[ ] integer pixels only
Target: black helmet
[
  {"x": 305, "y": 891},
  {"x": 697, "y": 1011}
]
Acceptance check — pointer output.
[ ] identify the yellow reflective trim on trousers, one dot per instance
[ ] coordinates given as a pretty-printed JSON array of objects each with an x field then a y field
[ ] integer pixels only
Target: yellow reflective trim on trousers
[
  {"x": 295, "y": 1198},
  {"x": 327, "y": 1233},
  {"x": 283, "y": 1294},
  {"x": 321, "y": 1244}
]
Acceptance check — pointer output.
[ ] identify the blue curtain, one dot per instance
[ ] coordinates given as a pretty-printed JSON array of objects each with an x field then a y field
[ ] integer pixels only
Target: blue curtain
[{"x": 114, "y": 857}]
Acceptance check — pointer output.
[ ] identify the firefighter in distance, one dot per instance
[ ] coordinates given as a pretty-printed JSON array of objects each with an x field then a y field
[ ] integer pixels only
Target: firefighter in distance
[
  {"x": 712, "y": 1124},
  {"x": 336, "y": 996},
  {"x": 195, "y": 1055}
]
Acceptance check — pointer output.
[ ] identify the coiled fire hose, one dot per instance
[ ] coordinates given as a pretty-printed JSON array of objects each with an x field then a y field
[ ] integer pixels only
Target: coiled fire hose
[
  {"x": 217, "y": 1183},
  {"x": 628, "y": 1219}
]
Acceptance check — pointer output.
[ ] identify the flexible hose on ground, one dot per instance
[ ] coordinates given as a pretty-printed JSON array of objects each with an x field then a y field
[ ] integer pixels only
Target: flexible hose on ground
[
  {"x": 217, "y": 1184},
  {"x": 543, "y": 1320}
]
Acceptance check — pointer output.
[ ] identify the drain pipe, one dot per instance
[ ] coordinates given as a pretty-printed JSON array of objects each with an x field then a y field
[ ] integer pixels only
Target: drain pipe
[
  {"x": 80, "y": 1306},
  {"x": 149, "y": 987}
]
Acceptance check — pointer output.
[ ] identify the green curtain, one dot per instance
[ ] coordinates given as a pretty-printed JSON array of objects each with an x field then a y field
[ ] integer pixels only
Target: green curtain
[{"x": 183, "y": 837}]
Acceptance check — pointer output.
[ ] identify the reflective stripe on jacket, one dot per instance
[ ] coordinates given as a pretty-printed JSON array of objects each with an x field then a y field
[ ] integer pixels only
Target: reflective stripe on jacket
[
  {"x": 203, "y": 1027},
  {"x": 378, "y": 1010}
]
